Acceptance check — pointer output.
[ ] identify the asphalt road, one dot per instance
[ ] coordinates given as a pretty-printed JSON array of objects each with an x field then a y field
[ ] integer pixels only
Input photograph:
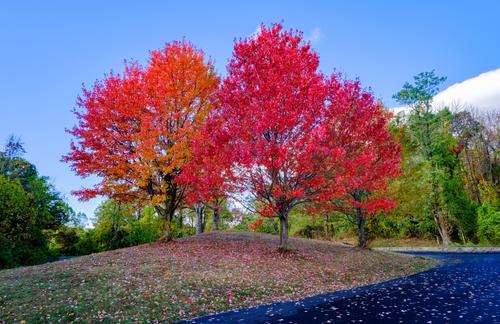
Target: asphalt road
[{"x": 464, "y": 289}]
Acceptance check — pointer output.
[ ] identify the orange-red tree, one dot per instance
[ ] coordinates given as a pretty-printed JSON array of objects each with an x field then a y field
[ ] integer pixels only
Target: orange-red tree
[{"x": 134, "y": 129}]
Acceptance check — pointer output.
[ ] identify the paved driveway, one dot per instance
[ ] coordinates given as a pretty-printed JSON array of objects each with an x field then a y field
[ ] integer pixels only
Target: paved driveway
[{"x": 465, "y": 289}]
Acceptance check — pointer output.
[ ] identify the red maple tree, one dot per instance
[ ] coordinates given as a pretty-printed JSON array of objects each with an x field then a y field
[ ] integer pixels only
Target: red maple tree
[
  {"x": 359, "y": 124},
  {"x": 134, "y": 130},
  {"x": 272, "y": 103}
]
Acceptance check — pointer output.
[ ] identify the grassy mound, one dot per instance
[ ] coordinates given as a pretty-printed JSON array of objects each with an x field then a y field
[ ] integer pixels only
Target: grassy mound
[{"x": 191, "y": 277}]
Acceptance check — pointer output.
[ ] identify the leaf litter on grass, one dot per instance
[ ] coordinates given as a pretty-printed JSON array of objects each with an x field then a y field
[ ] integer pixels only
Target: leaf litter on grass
[{"x": 190, "y": 277}]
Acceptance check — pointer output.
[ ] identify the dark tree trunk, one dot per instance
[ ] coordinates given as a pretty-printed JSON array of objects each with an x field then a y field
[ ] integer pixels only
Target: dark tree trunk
[
  {"x": 181, "y": 219},
  {"x": 167, "y": 228},
  {"x": 361, "y": 232},
  {"x": 216, "y": 216},
  {"x": 326, "y": 226},
  {"x": 167, "y": 211},
  {"x": 284, "y": 233},
  {"x": 200, "y": 211},
  {"x": 361, "y": 220}
]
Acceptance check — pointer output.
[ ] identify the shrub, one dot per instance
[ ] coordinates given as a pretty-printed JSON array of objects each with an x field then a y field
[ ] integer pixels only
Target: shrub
[
  {"x": 488, "y": 219},
  {"x": 6, "y": 257},
  {"x": 87, "y": 243},
  {"x": 145, "y": 230},
  {"x": 268, "y": 225},
  {"x": 66, "y": 239},
  {"x": 183, "y": 231}
]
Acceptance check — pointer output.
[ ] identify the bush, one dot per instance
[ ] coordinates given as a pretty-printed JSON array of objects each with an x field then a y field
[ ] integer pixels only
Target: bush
[
  {"x": 145, "y": 230},
  {"x": 117, "y": 226},
  {"x": 488, "y": 219},
  {"x": 395, "y": 226},
  {"x": 311, "y": 231},
  {"x": 268, "y": 225},
  {"x": 113, "y": 225},
  {"x": 87, "y": 243},
  {"x": 185, "y": 230},
  {"x": 7, "y": 259},
  {"x": 66, "y": 239},
  {"x": 305, "y": 225}
]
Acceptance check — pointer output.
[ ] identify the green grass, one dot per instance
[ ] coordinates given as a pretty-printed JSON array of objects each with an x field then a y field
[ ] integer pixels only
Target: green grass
[{"x": 409, "y": 242}]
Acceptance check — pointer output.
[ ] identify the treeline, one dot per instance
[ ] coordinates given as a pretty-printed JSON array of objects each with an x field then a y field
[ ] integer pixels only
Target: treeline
[
  {"x": 450, "y": 167},
  {"x": 449, "y": 188},
  {"x": 117, "y": 225}
]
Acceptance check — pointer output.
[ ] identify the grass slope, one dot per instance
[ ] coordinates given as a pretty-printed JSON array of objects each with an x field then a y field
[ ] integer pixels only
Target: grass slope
[{"x": 190, "y": 277}]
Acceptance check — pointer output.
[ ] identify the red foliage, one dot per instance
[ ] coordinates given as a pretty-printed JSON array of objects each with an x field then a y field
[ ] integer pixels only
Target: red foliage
[
  {"x": 298, "y": 137},
  {"x": 207, "y": 175},
  {"x": 359, "y": 124},
  {"x": 134, "y": 130},
  {"x": 276, "y": 129},
  {"x": 271, "y": 103}
]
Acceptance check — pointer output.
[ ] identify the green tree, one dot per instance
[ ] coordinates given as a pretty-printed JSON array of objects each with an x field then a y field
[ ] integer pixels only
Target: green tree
[
  {"x": 113, "y": 224},
  {"x": 411, "y": 190},
  {"x": 431, "y": 138},
  {"x": 18, "y": 230},
  {"x": 147, "y": 229},
  {"x": 29, "y": 206}
]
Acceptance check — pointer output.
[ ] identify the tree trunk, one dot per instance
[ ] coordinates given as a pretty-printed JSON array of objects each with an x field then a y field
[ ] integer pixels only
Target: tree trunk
[
  {"x": 441, "y": 224},
  {"x": 200, "y": 210},
  {"x": 326, "y": 228},
  {"x": 283, "y": 233},
  {"x": 462, "y": 236},
  {"x": 443, "y": 228},
  {"x": 361, "y": 232},
  {"x": 181, "y": 218},
  {"x": 166, "y": 210},
  {"x": 216, "y": 217},
  {"x": 167, "y": 232},
  {"x": 167, "y": 224},
  {"x": 358, "y": 196},
  {"x": 439, "y": 216}
]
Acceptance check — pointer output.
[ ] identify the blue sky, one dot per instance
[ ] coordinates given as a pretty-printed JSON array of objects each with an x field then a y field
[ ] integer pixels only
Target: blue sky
[{"x": 49, "y": 48}]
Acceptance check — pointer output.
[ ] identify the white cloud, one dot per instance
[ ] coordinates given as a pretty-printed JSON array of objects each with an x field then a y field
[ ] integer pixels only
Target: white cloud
[
  {"x": 481, "y": 92},
  {"x": 315, "y": 35}
]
